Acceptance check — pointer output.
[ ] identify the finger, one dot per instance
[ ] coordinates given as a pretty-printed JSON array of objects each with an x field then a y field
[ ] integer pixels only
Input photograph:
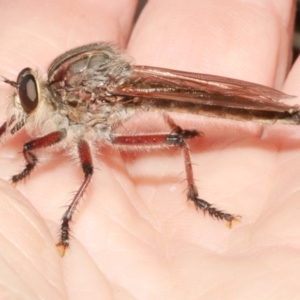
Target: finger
[
  {"x": 26, "y": 251},
  {"x": 247, "y": 40},
  {"x": 35, "y": 32},
  {"x": 241, "y": 39}
]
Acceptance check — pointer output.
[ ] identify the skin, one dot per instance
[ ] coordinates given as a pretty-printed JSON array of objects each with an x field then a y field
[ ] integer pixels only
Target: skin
[{"x": 134, "y": 235}]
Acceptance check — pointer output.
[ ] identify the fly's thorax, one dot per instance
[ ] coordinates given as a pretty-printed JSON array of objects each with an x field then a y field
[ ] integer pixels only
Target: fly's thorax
[{"x": 86, "y": 77}]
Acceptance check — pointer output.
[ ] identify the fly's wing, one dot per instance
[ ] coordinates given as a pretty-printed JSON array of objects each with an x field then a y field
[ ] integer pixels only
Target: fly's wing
[{"x": 201, "y": 89}]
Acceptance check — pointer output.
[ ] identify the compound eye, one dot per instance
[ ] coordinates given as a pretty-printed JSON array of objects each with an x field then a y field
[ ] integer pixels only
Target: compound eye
[{"x": 28, "y": 90}]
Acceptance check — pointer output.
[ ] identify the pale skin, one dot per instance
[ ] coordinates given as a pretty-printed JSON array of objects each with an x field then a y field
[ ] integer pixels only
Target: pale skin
[{"x": 134, "y": 236}]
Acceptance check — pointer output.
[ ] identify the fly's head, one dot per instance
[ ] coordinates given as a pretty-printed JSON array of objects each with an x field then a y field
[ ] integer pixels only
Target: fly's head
[
  {"x": 82, "y": 88},
  {"x": 28, "y": 105}
]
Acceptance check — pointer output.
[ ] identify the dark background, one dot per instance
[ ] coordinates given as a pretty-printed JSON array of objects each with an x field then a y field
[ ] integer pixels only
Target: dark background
[
  {"x": 140, "y": 7},
  {"x": 297, "y": 32}
]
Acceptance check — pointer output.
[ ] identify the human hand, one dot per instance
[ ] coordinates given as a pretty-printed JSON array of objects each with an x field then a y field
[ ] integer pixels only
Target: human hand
[{"x": 134, "y": 235}]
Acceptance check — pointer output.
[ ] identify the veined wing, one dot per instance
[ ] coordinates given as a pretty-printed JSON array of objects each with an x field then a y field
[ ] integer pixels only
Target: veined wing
[{"x": 203, "y": 89}]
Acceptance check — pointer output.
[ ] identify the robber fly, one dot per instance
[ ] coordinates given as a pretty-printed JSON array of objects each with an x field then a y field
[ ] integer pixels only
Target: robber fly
[{"x": 92, "y": 89}]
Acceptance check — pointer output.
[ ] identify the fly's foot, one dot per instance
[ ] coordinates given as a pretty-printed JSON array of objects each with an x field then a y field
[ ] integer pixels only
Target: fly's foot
[
  {"x": 62, "y": 247},
  {"x": 215, "y": 213},
  {"x": 24, "y": 174},
  {"x": 63, "y": 243}
]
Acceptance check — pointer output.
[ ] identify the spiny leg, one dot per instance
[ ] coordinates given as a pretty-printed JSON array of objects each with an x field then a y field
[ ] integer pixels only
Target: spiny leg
[
  {"x": 29, "y": 147},
  {"x": 3, "y": 128},
  {"x": 177, "y": 138},
  {"x": 87, "y": 167},
  {"x": 194, "y": 196},
  {"x": 192, "y": 193}
]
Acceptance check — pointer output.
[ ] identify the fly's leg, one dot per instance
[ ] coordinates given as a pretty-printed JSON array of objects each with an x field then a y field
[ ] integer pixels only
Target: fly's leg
[
  {"x": 177, "y": 138},
  {"x": 31, "y": 162},
  {"x": 3, "y": 128},
  {"x": 193, "y": 192},
  {"x": 87, "y": 167},
  {"x": 29, "y": 147}
]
